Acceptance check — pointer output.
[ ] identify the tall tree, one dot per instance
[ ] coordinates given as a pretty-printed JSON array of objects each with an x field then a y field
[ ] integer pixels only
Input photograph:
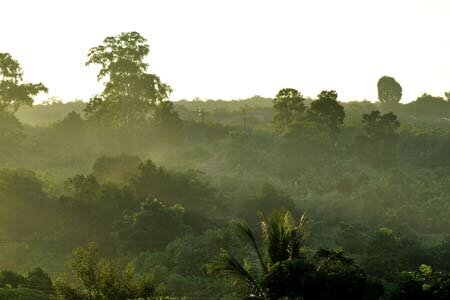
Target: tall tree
[
  {"x": 13, "y": 91},
  {"x": 389, "y": 90},
  {"x": 326, "y": 113},
  {"x": 380, "y": 137},
  {"x": 130, "y": 93},
  {"x": 13, "y": 94},
  {"x": 289, "y": 108}
]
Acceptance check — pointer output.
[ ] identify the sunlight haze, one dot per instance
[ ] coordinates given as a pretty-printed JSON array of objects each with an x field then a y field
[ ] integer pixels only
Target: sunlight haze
[{"x": 237, "y": 49}]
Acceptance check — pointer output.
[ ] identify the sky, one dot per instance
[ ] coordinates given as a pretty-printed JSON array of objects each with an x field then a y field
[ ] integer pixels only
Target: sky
[{"x": 230, "y": 49}]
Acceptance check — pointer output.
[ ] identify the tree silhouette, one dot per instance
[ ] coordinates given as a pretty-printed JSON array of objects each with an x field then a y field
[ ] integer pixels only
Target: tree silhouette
[
  {"x": 14, "y": 92},
  {"x": 389, "y": 90},
  {"x": 129, "y": 93},
  {"x": 380, "y": 136},
  {"x": 326, "y": 113},
  {"x": 282, "y": 238},
  {"x": 289, "y": 108}
]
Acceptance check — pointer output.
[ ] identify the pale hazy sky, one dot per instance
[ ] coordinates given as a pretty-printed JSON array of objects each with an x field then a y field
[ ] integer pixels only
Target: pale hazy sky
[{"x": 239, "y": 48}]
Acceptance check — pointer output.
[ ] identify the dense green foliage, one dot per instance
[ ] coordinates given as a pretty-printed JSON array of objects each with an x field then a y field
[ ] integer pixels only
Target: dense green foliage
[
  {"x": 13, "y": 92},
  {"x": 157, "y": 189}
]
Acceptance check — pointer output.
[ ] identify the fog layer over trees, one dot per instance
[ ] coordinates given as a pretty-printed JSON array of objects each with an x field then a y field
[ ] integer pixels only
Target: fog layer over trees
[{"x": 128, "y": 195}]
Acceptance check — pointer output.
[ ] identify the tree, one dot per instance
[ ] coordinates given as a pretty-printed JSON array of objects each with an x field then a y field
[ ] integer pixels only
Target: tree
[
  {"x": 327, "y": 114},
  {"x": 14, "y": 92},
  {"x": 85, "y": 188},
  {"x": 429, "y": 106},
  {"x": 22, "y": 197},
  {"x": 166, "y": 116},
  {"x": 173, "y": 188},
  {"x": 283, "y": 271},
  {"x": 388, "y": 254},
  {"x": 338, "y": 277},
  {"x": 389, "y": 90},
  {"x": 39, "y": 280},
  {"x": 181, "y": 267},
  {"x": 11, "y": 134},
  {"x": 152, "y": 227},
  {"x": 167, "y": 121},
  {"x": 11, "y": 279},
  {"x": 378, "y": 127},
  {"x": 289, "y": 109},
  {"x": 282, "y": 239},
  {"x": 380, "y": 137},
  {"x": 269, "y": 200},
  {"x": 129, "y": 93},
  {"x": 425, "y": 284},
  {"x": 36, "y": 279},
  {"x": 70, "y": 125},
  {"x": 70, "y": 132},
  {"x": 101, "y": 279},
  {"x": 118, "y": 169},
  {"x": 442, "y": 254}
]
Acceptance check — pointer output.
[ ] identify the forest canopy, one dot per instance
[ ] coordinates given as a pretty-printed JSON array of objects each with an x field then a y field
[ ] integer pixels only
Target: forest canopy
[{"x": 129, "y": 195}]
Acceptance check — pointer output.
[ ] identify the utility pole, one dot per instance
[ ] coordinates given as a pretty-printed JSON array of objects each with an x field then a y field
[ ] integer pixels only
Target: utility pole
[
  {"x": 245, "y": 118},
  {"x": 201, "y": 114},
  {"x": 203, "y": 118}
]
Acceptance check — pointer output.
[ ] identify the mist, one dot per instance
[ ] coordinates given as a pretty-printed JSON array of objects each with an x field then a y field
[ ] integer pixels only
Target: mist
[{"x": 231, "y": 176}]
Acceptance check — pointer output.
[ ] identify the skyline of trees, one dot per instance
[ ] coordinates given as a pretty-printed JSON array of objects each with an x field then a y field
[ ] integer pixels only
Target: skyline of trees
[{"x": 160, "y": 199}]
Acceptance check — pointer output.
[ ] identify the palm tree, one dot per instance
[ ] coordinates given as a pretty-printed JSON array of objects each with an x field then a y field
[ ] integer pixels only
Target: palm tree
[{"x": 282, "y": 238}]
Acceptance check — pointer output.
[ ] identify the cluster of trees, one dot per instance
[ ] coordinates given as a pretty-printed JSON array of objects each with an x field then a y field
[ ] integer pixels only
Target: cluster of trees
[
  {"x": 131, "y": 97},
  {"x": 292, "y": 116},
  {"x": 285, "y": 270},
  {"x": 278, "y": 265},
  {"x": 96, "y": 279},
  {"x": 377, "y": 143},
  {"x": 376, "y": 193}
]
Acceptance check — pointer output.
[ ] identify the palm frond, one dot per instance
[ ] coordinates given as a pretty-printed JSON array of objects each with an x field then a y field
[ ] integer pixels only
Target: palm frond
[
  {"x": 227, "y": 264},
  {"x": 282, "y": 236},
  {"x": 247, "y": 232}
]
